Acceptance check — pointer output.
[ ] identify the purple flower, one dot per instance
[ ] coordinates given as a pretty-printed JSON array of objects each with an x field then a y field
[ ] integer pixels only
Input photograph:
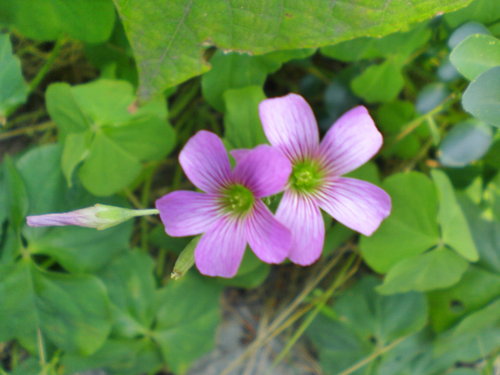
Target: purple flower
[
  {"x": 229, "y": 212},
  {"x": 315, "y": 181}
]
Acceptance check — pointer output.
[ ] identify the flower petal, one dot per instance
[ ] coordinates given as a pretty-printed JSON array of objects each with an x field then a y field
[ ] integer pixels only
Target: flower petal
[
  {"x": 59, "y": 219},
  {"x": 357, "y": 204},
  {"x": 205, "y": 161},
  {"x": 239, "y": 153},
  {"x": 264, "y": 170},
  {"x": 289, "y": 124},
  {"x": 351, "y": 141},
  {"x": 302, "y": 216},
  {"x": 221, "y": 249},
  {"x": 269, "y": 239},
  {"x": 186, "y": 213}
]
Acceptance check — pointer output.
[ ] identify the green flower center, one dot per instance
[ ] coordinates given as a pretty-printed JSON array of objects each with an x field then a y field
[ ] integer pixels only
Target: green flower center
[
  {"x": 237, "y": 199},
  {"x": 306, "y": 176}
]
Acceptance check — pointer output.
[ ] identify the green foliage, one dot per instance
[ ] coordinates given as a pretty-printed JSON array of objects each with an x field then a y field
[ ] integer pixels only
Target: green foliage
[
  {"x": 455, "y": 232},
  {"x": 475, "y": 55},
  {"x": 414, "y": 245},
  {"x": 484, "y": 11},
  {"x": 101, "y": 129},
  {"x": 363, "y": 322},
  {"x": 90, "y": 21},
  {"x": 14, "y": 89},
  {"x": 177, "y": 322},
  {"x": 411, "y": 229},
  {"x": 384, "y": 81},
  {"x": 241, "y": 122},
  {"x": 390, "y": 118},
  {"x": 465, "y": 143},
  {"x": 436, "y": 269},
  {"x": 482, "y": 98},
  {"x": 236, "y": 70},
  {"x": 168, "y": 39},
  {"x": 449, "y": 305},
  {"x": 77, "y": 300},
  {"x": 55, "y": 306}
]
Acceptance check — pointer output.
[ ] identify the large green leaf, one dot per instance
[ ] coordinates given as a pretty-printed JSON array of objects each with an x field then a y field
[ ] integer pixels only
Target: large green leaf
[
  {"x": 485, "y": 11},
  {"x": 400, "y": 44},
  {"x": 365, "y": 322},
  {"x": 476, "y": 54},
  {"x": 90, "y": 21},
  {"x": 72, "y": 311},
  {"x": 482, "y": 97},
  {"x": 14, "y": 89},
  {"x": 411, "y": 228},
  {"x": 168, "y": 38}
]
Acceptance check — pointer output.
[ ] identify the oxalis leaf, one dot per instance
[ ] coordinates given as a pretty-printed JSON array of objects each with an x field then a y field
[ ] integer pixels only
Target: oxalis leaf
[
  {"x": 14, "y": 89},
  {"x": 71, "y": 311},
  {"x": 363, "y": 322},
  {"x": 482, "y": 97},
  {"x": 422, "y": 245},
  {"x": 100, "y": 128},
  {"x": 176, "y": 324},
  {"x": 168, "y": 38}
]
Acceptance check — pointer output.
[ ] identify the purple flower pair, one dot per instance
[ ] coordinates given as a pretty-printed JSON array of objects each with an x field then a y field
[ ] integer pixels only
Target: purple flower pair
[{"x": 230, "y": 212}]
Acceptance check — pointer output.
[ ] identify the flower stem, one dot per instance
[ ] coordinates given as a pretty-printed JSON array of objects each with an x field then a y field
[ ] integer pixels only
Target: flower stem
[
  {"x": 47, "y": 65},
  {"x": 146, "y": 212},
  {"x": 345, "y": 273}
]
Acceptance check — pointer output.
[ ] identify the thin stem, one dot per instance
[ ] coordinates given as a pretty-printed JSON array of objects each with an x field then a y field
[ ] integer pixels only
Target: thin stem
[
  {"x": 277, "y": 325},
  {"x": 183, "y": 100},
  {"x": 47, "y": 65},
  {"x": 146, "y": 212},
  {"x": 341, "y": 278},
  {"x": 372, "y": 356},
  {"x": 27, "y": 129},
  {"x": 414, "y": 124},
  {"x": 146, "y": 189},
  {"x": 41, "y": 351}
]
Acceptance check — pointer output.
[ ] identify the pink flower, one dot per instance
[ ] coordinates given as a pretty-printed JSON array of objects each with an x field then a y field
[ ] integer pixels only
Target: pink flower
[
  {"x": 315, "y": 181},
  {"x": 229, "y": 212}
]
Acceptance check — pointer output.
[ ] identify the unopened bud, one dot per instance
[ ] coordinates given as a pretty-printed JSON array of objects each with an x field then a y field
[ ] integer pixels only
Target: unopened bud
[
  {"x": 185, "y": 260},
  {"x": 99, "y": 216}
]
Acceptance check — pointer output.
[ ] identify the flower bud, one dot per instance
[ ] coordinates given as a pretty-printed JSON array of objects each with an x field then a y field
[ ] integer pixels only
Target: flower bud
[
  {"x": 185, "y": 260},
  {"x": 99, "y": 216}
]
